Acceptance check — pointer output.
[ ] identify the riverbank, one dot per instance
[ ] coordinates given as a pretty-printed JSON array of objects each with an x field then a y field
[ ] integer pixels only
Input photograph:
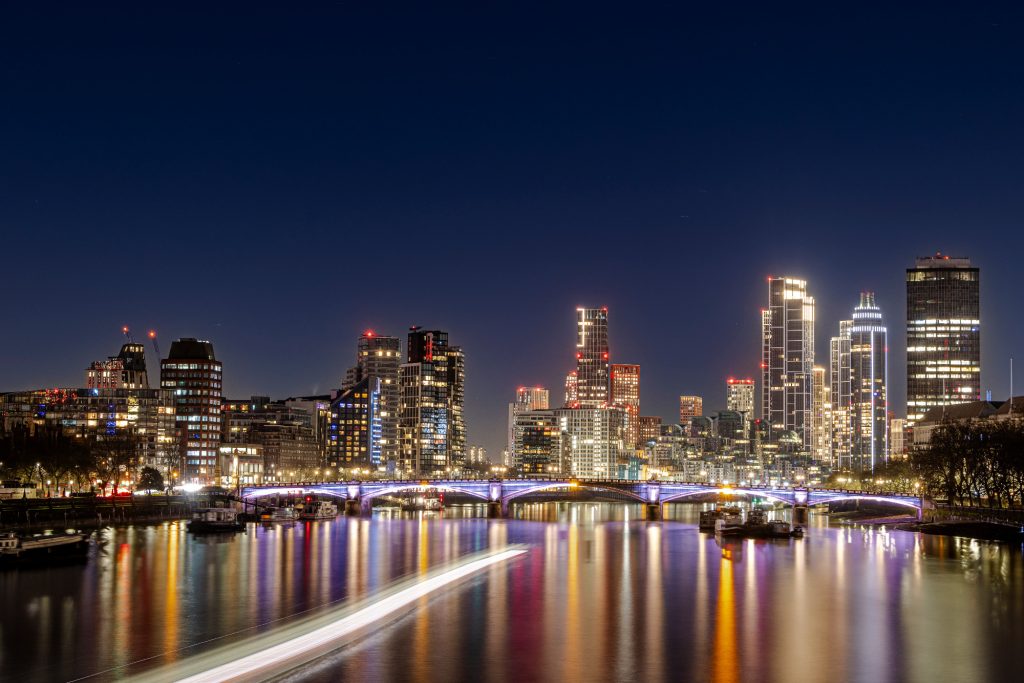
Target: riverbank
[{"x": 984, "y": 531}]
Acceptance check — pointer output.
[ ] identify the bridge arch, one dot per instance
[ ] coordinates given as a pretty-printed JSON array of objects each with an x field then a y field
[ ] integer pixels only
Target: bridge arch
[
  {"x": 286, "y": 490},
  {"x": 895, "y": 500},
  {"x": 369, "y": 494},
  {"x": 519, "y": 493},
  {"x": 670, "y": 497}
]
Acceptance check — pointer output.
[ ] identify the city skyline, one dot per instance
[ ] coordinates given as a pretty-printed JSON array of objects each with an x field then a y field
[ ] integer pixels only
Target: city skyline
[
  {"x": 536, "y": 175},
  {"x": 716, "y": 399}
]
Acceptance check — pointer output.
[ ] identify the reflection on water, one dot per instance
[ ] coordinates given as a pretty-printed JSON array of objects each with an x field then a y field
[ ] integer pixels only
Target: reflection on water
[{"x": 601, "y": 595}]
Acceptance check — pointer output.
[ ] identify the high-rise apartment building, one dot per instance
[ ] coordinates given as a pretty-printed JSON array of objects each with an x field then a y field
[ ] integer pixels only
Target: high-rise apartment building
[
  {"x": 868, "y": 376},
  {"x": 595, "y": 440},
  {"x": 943, "y": 334},
  {"x": 194, "y": 376},
  {"x": 625, "y": 394},
  {"x": 739, "y": 396},
  {"x": 650, "y": 428},
  {"x": 356, "y": 427},
  {"x": 527, "y": 399},
  {"x": 126, "y": 370},
  {"x": 689, "y": 408},
  {"x": 592, "y": 357},
  {"x": 432, "y": 432},
  {"x": 533, "y": 398},
  {"x": 821, "y": 415},
  {"x": 538, "y": 443},
  {"x": 787, "y": 359},
  {"x": 380, "y": 356},
  {"x": 842, "y": 398}
]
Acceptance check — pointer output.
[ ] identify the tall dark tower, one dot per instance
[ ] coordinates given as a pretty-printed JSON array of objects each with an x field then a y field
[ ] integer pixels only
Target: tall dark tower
[
  {"x": 592, "y": 358},
  {"x": 194, "y": 375},
  {"x": 943, "y": 334},
  {"x": 787, "y": 359}
]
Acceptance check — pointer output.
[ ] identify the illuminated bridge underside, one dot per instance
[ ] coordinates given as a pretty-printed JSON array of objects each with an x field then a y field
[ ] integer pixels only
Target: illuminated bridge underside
[{"x": 508, "y": 490}]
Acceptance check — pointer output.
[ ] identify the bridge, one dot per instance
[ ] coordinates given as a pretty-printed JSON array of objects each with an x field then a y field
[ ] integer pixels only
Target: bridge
[{"x": 499, "y": 493}]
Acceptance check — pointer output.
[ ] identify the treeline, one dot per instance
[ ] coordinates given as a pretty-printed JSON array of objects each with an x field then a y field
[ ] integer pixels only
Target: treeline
[
  {"x": 974, "y": 462},
  {"x": 68, "y": 463}
]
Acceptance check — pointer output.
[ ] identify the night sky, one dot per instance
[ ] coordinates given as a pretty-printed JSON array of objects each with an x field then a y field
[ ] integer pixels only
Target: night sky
[{"x": 278, "y": 180}]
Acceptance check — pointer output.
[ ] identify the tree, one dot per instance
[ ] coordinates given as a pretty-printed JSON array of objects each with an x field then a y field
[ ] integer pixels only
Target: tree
[{"x": 150, "y": 479}]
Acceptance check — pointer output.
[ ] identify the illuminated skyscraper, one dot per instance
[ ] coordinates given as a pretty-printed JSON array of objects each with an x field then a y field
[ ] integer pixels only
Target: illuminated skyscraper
[
  {"x": 842, "y": 397},
  {"x": 432, "y": 436},
  {"x": 943, "y": 334},
  {"x": 380, "y": 357},
  {"x": 821, "y": 415},
  {"x": 194, "y": 375},
  {"x": 592, "y": 364},
  {"x": 689, "y": 408},
  {"x": 868, "y": 375},
  {"x": 787, "y": 359},
  {"x": 625, "y": 394}
]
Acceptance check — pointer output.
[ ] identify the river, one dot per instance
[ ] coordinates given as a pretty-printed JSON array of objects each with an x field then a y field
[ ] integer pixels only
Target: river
[{"x": 599, "y": 596}]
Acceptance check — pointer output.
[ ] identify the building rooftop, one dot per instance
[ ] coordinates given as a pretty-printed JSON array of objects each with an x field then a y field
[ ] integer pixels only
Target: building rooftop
[
  {"x": 191, "y": 348},
  {"x": 960, "y": 411},
  {"x": 940, "y": 260}
]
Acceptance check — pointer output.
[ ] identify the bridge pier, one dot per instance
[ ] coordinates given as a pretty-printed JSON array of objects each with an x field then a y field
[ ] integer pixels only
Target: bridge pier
[
  {"x": 652, "y": 512},
  {"x": 800, "y": 514},
  {"x": 495, "y": 510},
  {"x": 353, "y": 507}
]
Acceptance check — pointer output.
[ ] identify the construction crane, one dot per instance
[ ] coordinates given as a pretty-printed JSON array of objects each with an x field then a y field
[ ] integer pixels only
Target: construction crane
[{"x": 156, "y": 347}]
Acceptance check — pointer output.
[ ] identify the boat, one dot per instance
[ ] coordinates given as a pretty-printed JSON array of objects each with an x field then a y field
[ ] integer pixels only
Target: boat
[
  {"x": 729, "y": 522},
  {"x": 708, "y": 518},
  {"x": 14, "y": 548},
  {"x": 319, "y": 509},
  {"x": 279, "y": 515},
  {"x": 214, "y": 520}
]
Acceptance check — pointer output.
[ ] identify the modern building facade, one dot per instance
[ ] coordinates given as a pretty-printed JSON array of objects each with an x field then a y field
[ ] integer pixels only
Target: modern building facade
[
  {"x": 821, "y": 415},
  {"x": 689, "y": 408},
  {"x": 943, "y": 334},
  {"x": 538, "y": 443},
  {"x": 595, "y": 440},
  {"x": 787, "y": 359},
  {"x": 869, "y": 351},
  {"x": 625, "y": 394},
  {"x": 192, "y": 373},
  {"x": 355, "y": 440},
  {"x": 650, "y": 428},
  {"x": 739, "y": 396},
  {"x": 527, "y": 399},
  {"x": 432, "y": 432},
  {"x": 380, "y": 356},
  {"x": 592, "y": 357},
  {"x": 842, "y": 398},
  {"x": 145, "y": 415}
]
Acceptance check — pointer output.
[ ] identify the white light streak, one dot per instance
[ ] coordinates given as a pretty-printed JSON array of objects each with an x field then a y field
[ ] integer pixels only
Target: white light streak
[{"x": 291, "y": 653}]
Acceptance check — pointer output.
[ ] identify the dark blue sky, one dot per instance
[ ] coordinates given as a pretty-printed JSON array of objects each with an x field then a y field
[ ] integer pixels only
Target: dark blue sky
[{"x": 277, "y": 180}]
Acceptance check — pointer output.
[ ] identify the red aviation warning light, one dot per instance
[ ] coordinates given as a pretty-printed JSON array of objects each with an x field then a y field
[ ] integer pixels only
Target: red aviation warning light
[{"x": 369, "y": 334}]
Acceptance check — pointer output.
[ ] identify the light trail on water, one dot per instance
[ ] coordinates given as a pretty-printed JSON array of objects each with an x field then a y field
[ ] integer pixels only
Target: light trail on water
[{"x": 274, "y": 654}]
